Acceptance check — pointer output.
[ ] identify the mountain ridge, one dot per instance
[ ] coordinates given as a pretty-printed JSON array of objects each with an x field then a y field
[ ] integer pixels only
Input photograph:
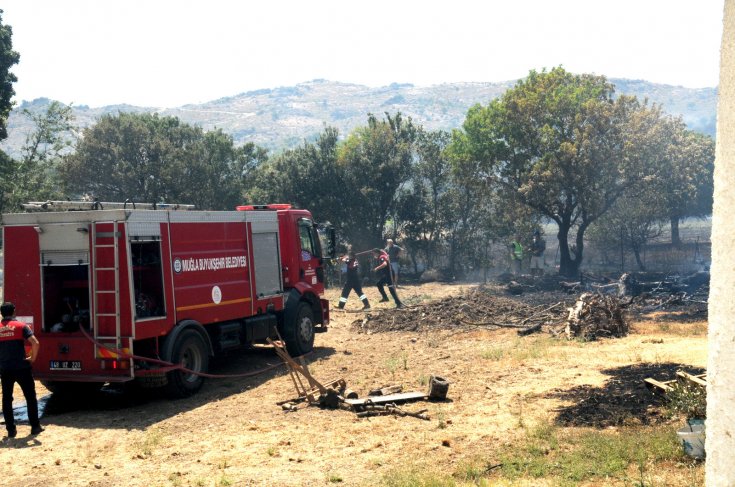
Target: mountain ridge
[{"x": 285, "y": 116}]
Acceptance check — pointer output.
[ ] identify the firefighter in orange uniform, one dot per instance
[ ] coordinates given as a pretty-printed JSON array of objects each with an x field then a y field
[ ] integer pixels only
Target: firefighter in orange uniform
[
  {"x": 353, "y": 280},
  {"x": 16, "y": 367}
]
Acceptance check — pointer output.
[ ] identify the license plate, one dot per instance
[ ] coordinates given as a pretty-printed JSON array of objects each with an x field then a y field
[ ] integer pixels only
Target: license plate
[{"x": 66, "y": 365}]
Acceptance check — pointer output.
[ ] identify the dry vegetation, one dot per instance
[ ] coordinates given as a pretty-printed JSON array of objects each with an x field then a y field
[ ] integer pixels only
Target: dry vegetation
[{"x": 522, "y": 410}]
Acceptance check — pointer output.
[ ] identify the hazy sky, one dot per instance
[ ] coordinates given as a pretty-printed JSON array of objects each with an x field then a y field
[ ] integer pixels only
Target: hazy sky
[{"x": 167, "y": 53}]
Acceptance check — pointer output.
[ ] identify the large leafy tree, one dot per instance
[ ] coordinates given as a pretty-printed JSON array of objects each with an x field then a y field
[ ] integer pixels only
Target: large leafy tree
[
  {"x": 148, "y": 158},
  {"x": 34, "y": 176},
  {"x": 8, "y": 58},
  {"x": 633, "y": 221},
  {"x": 422, "y": 206},
  {"x": 376, "y": 160},
  {"x": 307, "y": 176},
  {"x": 687, "y": 182},
  {"x": 564, "y": 146}
]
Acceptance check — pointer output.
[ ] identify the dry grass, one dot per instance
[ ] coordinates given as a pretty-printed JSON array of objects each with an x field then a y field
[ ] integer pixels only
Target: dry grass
[{"x": 510, "y": 400}]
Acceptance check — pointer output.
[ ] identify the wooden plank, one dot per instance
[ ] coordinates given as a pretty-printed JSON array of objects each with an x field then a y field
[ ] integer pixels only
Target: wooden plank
[
  {"x": 660, "y": 386},
  {"x": 700, "y": 380},
  {"x": 405, "y": 396}
]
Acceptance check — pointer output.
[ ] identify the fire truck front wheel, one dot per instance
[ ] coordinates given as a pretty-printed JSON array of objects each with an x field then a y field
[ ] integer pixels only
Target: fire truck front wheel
[
  {"x": 299, "y": 332},
  {"x": 189, "y": 351}
]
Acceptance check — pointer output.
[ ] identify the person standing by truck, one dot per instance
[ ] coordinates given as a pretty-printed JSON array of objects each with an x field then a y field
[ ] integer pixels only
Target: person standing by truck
[
  {"x": 352, "y": 281},
  {"x": 384, "y": 277},
  {"x": 16, "y": 367}
]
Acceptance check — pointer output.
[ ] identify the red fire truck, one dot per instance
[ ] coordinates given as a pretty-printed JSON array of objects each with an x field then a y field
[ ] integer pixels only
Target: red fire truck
[{"x": 107, "y": 286}]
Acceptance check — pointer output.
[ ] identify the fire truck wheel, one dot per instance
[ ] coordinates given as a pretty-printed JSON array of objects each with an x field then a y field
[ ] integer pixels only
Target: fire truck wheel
[
  {"x": 299, "y": 333},
  {"x": 190, "y": 350}
]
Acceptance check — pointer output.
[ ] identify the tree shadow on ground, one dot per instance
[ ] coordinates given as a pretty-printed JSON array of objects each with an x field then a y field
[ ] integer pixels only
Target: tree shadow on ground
[
  {"x": 623, "y": 400},
  {"x": 138, "y": 408}
]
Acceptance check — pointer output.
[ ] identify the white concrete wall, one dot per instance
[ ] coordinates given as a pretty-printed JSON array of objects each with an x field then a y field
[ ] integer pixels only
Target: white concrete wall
[{"x": 720, "y": 443}]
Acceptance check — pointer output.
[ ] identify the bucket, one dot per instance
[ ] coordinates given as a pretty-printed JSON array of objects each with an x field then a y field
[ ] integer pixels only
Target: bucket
[{"x": 692, "y": 439}]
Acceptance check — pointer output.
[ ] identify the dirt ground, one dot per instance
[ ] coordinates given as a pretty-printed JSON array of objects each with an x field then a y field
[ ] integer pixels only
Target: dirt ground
[{"x": 233, "y": 433}]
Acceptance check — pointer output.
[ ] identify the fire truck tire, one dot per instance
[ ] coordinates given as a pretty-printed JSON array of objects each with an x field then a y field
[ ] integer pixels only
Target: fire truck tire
[
  {"x": 299, "y": 332},
  {"x": 189, "y": 350}
]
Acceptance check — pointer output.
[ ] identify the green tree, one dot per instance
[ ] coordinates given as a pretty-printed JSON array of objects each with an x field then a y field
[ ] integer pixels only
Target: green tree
[
  {"x": 308, "y": 177},
  {"x": 562, "y": 145},
  {"x": 376, "y": 160},
  {"x": 148, "y": 158},
  {"x": 421, "y": 208},
  {"x": 479, "y": 212},
  {"x": 631, "y": 223},
  {"x": 35, "y": 175},
  {"x": 687, "y": 182},
  {"x": 209, "y": 172},
  {"x": 8, "y": 58}
]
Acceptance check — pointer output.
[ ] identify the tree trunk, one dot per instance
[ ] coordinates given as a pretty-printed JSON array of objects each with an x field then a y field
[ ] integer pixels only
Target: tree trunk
[
  {"x": 639, "y": 261},
  {"x": 567, "y": 266},
  {"x": 675, "y": 237}
]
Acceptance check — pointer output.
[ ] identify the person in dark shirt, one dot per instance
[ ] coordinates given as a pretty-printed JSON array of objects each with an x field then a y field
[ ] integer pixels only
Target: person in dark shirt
[
  {"x": 394, "y": 252},
  {"x": 352, "y": 269},
  {"x": 385, "y": 277},
  {"x": 538, "y": 247},
  {"x": 16, "y": 367}
]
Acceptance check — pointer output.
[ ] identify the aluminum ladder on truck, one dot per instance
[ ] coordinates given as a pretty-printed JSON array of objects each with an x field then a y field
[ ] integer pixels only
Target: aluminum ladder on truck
[{"x": 106, "y": 293}]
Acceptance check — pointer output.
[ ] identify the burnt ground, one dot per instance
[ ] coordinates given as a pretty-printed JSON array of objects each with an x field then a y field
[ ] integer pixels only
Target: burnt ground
[{"x": 488, "y": 306}]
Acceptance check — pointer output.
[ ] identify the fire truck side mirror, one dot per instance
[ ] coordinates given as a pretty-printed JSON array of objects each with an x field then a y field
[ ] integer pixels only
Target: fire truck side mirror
[{"x": 328, "y": 240}]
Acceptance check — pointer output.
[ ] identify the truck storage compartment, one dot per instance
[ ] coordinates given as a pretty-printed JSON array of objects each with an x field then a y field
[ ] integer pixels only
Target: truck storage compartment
[
  {"x": 147, "y": 279},
  {"x": 65, "y": 283}
]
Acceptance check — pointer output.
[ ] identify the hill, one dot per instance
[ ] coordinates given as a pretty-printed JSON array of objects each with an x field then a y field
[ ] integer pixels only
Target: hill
[{"x": 284, "y": 117}]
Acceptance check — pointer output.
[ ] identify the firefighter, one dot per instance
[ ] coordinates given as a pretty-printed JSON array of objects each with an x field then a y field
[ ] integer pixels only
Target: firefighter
[
  {"x": 352, "y": 281},
  {"x": 538, "y": 247},
  {"x": 516, "y": 255},
  {"x": 385, "y": 277},
  {"x": 16, "y": 367}
]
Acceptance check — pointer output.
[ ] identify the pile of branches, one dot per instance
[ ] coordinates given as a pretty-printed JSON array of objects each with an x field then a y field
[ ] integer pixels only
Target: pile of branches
[
  {"x": 478, "y": 307},
  {"x": 596, "y": 315}
]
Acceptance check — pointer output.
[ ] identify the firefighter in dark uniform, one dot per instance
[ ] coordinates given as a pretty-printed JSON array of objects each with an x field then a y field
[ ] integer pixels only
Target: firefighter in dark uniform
[
  {"x": 16, "y": 367},
  {"x": 352, "y": 267},
  {"x": 385, "y": 277}
]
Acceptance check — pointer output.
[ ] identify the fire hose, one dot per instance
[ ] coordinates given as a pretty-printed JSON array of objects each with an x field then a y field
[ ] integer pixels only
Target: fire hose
[{"x": 170, "y": 366}]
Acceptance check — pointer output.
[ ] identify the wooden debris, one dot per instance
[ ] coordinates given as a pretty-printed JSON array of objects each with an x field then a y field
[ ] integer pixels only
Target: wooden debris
[
  {"x": 336, "y": 395},
  {"x": 530, "y": 329},
  {"x": 385, "y": 391},
  {"x": 392, "y": 409},
  {"x": 595, "y": 316},
  {"x": 662, "y": 387},
  {"x": 477, "y": 307},
  {"x": 390, "y": 398}
]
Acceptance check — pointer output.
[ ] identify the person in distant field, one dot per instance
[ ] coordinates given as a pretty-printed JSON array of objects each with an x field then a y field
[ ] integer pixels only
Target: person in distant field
[
  {"x": 16, "y": 367},
  {"x": 394, "y": 252},
  {"x": 352, "y": 281},
  {"x": 538, "y": 247},
  {"x": 384, "y": 277},
  {"x": 516, "y": 255}
]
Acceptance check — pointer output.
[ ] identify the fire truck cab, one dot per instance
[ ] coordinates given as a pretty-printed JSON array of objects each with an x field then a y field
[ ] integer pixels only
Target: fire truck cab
[{"x": 116, "y": 293}]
